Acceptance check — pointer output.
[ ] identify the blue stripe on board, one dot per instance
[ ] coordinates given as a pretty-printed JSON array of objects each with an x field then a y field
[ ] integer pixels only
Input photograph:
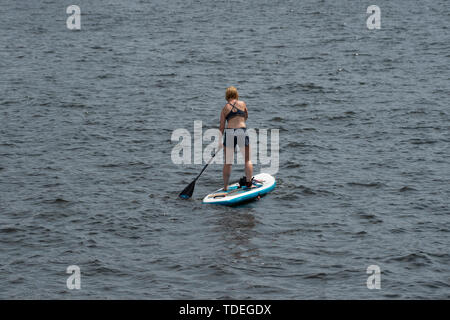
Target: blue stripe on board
[{"x": 245, "y": 196}]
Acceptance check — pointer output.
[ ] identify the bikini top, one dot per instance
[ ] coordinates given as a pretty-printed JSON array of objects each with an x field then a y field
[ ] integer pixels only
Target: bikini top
[{"x": 236, "y": 113}]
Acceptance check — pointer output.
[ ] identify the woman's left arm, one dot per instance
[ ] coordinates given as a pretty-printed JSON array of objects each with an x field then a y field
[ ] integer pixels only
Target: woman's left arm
[{"x": 221, "y": 127}]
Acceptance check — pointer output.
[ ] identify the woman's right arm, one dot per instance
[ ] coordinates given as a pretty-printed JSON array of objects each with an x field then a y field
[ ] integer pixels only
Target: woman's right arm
[{"x": 222, "y": 121}]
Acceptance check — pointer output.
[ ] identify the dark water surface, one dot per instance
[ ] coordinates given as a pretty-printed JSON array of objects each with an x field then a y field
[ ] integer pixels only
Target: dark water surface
[{"x": 86, "y": 176}]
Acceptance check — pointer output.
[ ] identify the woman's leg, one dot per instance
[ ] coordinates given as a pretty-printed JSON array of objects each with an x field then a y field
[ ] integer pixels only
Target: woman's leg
[
  {"x": 243, "y": 141},
  {"x": 229, "y": 155},
  {"x": 226, "y": 175},
  {"x": 248, "y": 163}
]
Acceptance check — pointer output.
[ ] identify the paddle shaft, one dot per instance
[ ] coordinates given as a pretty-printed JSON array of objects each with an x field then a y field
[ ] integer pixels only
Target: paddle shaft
[
  {"x": 189, "y": 190},
  {"x": 207, "y": 165}
]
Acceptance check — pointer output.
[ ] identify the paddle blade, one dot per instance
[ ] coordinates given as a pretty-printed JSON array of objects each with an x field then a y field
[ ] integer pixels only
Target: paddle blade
[{"x": 188, "y": 191}]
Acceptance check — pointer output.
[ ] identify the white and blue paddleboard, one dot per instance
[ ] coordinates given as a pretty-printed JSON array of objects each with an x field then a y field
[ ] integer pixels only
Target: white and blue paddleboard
[{"x": 262, "y": 184}]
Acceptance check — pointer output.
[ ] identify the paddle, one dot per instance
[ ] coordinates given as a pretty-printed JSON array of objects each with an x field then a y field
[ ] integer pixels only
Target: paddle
[{"x": 189, "y": 190}]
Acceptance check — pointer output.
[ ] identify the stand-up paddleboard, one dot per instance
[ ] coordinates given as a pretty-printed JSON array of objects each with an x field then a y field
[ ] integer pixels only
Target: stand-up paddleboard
[{"x": 262, "y": 184}]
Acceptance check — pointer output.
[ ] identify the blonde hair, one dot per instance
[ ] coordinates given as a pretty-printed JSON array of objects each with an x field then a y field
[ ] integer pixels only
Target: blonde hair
[{"x": 231, "y": 93}]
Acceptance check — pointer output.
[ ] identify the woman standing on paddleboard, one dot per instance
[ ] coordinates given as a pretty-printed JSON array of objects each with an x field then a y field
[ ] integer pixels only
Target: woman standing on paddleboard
[{"x": 234, "y": 114}]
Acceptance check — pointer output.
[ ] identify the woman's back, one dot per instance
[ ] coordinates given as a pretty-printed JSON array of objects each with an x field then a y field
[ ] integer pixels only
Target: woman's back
[{"x": 235, "y": 113}]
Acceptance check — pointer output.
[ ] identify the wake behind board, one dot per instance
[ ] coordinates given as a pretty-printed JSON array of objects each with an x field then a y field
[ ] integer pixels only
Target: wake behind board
[{"x": 263, "y": 183}]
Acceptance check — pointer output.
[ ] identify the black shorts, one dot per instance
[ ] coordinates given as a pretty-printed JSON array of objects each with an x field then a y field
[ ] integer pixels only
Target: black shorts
[{"x": 235, "y": 137}]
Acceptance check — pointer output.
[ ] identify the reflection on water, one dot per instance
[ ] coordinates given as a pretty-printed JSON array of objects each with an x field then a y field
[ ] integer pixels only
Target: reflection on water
[{"x": 237, "y": 231}]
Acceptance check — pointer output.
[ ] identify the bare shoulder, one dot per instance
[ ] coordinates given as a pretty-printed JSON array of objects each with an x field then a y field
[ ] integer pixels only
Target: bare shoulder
[
  {"x": 225, "y": 108},
  {"x": 243, "y": 105}
]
